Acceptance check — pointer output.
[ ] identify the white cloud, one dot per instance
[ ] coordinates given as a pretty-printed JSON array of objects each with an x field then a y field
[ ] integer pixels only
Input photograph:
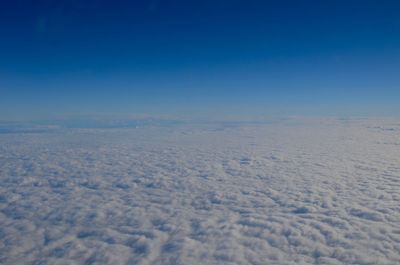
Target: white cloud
[{"x": 290, "y": 192}]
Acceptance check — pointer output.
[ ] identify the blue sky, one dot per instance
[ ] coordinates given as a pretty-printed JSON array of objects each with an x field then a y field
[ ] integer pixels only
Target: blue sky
[{"x": 199, "y": 58}]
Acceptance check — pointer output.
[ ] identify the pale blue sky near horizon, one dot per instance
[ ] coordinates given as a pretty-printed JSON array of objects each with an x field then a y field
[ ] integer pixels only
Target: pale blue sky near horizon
[{"x": 199, "y": 59}]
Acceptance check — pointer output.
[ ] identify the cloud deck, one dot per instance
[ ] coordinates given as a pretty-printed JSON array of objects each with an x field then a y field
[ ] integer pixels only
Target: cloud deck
[{"x": 290, "y": 192}]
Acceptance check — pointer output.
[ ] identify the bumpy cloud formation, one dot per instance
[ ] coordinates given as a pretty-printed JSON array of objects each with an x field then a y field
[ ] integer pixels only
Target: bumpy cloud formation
[{"x": 292, "y": 192}]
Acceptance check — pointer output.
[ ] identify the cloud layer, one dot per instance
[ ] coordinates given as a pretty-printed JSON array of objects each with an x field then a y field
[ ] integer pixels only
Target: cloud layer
[{"x": 290, "y": 192}]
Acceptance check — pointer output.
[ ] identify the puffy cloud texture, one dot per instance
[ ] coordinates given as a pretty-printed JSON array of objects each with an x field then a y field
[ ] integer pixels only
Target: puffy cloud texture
[{"x": 288, "y": 192}]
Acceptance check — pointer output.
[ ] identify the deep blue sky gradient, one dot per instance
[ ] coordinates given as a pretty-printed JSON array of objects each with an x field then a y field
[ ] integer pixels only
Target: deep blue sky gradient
[{"x": 199, "y": 58}]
